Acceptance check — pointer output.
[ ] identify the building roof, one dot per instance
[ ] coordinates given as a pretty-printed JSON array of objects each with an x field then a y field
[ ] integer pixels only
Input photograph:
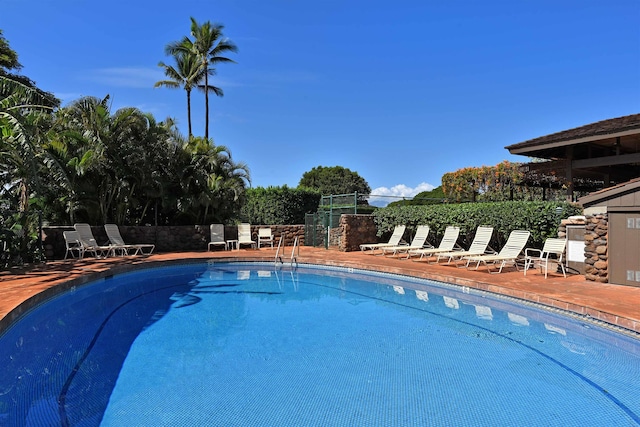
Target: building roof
[
  {"x": 605, "y": 129},
  {"x": 621, "y": 189}
]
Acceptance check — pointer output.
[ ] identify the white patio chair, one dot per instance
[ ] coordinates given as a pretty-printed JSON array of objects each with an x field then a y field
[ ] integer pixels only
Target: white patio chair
[
  {"x": 217, "y": 236},
  {"x": 265, "y": 237},
  {"x": 113, "y": 233},
  {"x": 244, "y": 235},
  {"x": 90, "y": 244},
  {"x": 419, "y": 241},
  {"x": 394, "y": 240},
  {"x": 72, "y": 244},
  {"x": 447, "y": 244},
  {"x": 507, "y": 255},
  {"x": 550, "y": 255}
]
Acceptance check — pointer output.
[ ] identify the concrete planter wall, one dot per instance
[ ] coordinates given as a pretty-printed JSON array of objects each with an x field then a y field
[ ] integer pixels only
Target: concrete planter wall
[{"x": 184, "y": 238}]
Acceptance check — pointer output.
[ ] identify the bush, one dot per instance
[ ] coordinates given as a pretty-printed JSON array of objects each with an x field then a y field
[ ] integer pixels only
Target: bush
[
  {"x": 540, "y": 218},
  {"x": 279, "y": 205}
]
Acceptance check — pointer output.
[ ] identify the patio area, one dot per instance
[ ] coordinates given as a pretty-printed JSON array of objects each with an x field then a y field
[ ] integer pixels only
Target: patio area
[{"x": 614, "y": 304}]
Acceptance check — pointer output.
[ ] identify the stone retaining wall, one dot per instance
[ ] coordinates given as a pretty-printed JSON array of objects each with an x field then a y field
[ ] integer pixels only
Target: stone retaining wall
[
  {"x": 185, "y": 238},
  {"x": 595, "y": 251},
  {"x": 355, "y": 230}
]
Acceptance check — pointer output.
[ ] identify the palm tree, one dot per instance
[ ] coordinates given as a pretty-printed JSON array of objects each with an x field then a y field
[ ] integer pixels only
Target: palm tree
[
  {"x": 211, "y": 181},
  {"x": 24, "y": 114},
  {"x": 25, "y": 121},
  {"x": 187, "y": 73},
  {"x": 208, "y": 45}
]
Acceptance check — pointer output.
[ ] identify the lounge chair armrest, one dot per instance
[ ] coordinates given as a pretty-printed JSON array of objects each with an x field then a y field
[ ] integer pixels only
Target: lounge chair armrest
[
  {"x": 531, "y": 252},
  {"x": 490, "y": 251}
]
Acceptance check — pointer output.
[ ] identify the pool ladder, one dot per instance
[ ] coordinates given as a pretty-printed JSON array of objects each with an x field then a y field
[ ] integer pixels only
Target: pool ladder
[{"x": 295, "y": 251}]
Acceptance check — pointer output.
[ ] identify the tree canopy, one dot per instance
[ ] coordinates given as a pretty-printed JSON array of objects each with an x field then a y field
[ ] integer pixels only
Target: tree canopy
[
  {"x": 433, "y": 197},
  {"x": 334, "y": 180},
  {"x": 8, "y": 56}
]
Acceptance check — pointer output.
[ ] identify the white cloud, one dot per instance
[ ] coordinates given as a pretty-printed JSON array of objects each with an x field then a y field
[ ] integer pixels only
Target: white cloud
[{"x": 382, "y": 196}]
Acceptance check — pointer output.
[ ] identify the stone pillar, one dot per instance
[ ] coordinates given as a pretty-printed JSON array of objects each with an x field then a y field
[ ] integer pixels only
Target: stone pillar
[
  {"x": 357, "y": 229},
  {"x": 595, "y": 251}
]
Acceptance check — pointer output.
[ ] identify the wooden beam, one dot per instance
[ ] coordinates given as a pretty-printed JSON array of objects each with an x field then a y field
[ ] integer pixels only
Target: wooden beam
[
  {"x": 569, "y": 172},
  {"x": 606, "y": 161}
]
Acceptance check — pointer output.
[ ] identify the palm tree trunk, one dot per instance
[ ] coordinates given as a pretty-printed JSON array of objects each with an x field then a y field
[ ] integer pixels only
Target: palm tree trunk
[
  {"x": 206, "y": 101},
  {"x": 189, "y": 112}
]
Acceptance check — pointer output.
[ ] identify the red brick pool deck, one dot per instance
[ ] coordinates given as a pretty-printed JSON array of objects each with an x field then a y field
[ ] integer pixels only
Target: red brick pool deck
[{"x": 614, "y": 304}]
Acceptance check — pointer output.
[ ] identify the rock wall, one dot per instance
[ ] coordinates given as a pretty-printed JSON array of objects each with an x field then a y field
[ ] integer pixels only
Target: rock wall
[
  {"x": 355, "y": 230},
  {"x": 183, "y": 238},
  {"x": 595, "y": 251}
]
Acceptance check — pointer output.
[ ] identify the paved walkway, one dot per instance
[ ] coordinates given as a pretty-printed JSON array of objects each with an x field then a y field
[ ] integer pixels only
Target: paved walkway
[{"x": 614, "y": 304}]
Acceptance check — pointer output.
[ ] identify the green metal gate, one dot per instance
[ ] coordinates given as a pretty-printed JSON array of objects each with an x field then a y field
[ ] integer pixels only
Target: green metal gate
[
  {"x": 315, "y": 226},
  {"x": 318, "y": 226}
]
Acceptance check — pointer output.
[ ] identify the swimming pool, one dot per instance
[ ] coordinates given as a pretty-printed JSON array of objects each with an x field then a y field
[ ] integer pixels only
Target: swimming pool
[{"x": 247, "y": 344}]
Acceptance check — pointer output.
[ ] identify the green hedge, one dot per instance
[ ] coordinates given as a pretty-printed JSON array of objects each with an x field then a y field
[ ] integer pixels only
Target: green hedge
[
  {"x": 540, "y": 218},
  {"x": 279, "y": 205}
]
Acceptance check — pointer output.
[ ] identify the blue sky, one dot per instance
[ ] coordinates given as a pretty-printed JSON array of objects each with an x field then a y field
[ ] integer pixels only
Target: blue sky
[{"x": 400, "y": 92}]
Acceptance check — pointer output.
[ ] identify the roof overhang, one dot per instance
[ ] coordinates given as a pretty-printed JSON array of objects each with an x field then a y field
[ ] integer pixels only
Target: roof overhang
[
  {"x": 600, "y": 197},
  {"x": 525, "y": 150}
]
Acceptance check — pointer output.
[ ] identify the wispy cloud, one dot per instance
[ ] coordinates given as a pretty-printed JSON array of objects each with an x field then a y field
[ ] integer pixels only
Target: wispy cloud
[
  {"x": 382, "y": 196},
  {"x": 133, "y": 77},
  {"x": 66, "y": 97}
]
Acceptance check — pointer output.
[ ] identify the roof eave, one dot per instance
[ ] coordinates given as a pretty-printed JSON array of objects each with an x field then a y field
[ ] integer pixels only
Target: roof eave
[
  {"x": 609, "y": 193},
  {"x": 524, "y": 150}
]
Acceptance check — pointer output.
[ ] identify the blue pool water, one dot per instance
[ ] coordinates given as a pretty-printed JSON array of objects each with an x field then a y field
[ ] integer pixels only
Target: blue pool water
[{"x": 250, "y": 345}]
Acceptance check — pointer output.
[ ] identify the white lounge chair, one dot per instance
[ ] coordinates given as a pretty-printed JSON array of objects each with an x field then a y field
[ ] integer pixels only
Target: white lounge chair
[
  {"x": 265, "y": 237},
  {"x": 113, "y": 233},
  {"x": 217, "y": 236},
  {"x": 244, "y": 235},
  {"x": 72, "y": 244},
  {"x": 447, "y": 244},
  {"x": 394, "y": 240},
  {"x": 419, "y": 241},
  {"x": 478, "y": 246},
  {"x": 507, "y": 255},
  {"x": 550, "y": 255},
  {"x": 89, "y": 243}
]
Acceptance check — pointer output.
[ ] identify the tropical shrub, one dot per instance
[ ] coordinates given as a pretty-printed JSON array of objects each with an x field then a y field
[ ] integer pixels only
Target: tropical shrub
[
  {"x": 279, "y": 205},
  {"x": 540, "y": 218}
]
